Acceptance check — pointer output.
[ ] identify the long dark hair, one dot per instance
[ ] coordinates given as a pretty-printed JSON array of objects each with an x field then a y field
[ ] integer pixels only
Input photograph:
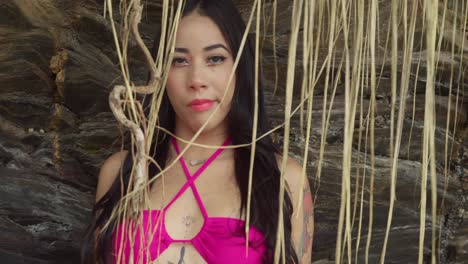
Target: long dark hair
[{"x": 266, "y": 178}]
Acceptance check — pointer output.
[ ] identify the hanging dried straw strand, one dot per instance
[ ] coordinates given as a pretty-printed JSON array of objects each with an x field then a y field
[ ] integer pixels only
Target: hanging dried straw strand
[
  {"x": 370, "y": 41},
  {"x": 404, "y": 87},
  {"x": 371, "y": 126},
  {"x": 428, "y": 153},
  {"x": 332, "y": 18},
  {"x": 364, "y": 83},
  {"x": 169, "y": 28},
  {"x": 308, "y": 85},
  {"x": 416, "y": 79},
  {"x": 331, "y": 43},
  {"x": 306, "y": 88},
  {"x": 394, "y": 65},
  {"x": 295, "y": 25},
  {"x": 461, "y": 46},
  {"x": 462, "y": 69},
  {"x": 350, "y": 110},
  {"x": 255, "y": 120},
  {"x": 447, "y": 129},
  {"x": 359, "y": 49},
  {"x": 164, "y": 51},
  {"x": 305, "y": 63},
  {"x": 275, "y": 59},
  {"x": 315, "y": 77}
]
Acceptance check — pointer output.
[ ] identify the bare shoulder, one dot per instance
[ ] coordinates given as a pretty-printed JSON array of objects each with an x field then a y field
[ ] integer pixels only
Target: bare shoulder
[
  {"x": 293, "y": 173},
  {"x": 109, "y": 172},
  {"x": 302, "y": 221}
]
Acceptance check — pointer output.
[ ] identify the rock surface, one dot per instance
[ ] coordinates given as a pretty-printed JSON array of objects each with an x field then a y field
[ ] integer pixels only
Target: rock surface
[{"x": 57, "y": 66}]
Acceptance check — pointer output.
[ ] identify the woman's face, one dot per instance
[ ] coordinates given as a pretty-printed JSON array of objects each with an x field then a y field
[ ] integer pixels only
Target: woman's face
[{"x": 199, "y": 75}]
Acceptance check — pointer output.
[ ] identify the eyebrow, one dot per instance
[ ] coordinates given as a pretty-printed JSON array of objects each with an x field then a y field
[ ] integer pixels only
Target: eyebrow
[{"x": 209, "y": 48}]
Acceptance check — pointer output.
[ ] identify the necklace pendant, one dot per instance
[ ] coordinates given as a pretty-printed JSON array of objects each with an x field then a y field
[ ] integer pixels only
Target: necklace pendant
[{"x": 196, "y": 162}]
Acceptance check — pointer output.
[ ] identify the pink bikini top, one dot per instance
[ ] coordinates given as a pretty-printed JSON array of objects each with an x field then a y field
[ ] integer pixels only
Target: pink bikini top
[{"x": 220, "y": 239}]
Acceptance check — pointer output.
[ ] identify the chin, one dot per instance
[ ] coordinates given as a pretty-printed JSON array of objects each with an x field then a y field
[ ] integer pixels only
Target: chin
[
  {"x": 196, "y": 126},
  {"x": 211, "y": 126}
]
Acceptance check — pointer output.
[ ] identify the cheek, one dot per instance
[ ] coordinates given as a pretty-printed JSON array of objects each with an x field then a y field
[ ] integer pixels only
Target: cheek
[
  {"x": 224, "y": 80},
  {"x": 171, "y": 81},
  {"x": 173, "y": 85},
  {"x": 229, "y": 95},
  {"x": 231, "y": 88}
]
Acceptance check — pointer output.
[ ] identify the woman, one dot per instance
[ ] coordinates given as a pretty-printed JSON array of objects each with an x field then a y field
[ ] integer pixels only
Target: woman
[{"x": 203, "y": 198}]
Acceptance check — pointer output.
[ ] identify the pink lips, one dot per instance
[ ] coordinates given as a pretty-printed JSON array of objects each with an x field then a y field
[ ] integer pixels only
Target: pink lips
[{"x": 200, "y": 105}]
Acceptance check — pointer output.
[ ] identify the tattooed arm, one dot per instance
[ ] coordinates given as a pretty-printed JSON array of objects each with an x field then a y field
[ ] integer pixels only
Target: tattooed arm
[{"x": 302, "y": 220}]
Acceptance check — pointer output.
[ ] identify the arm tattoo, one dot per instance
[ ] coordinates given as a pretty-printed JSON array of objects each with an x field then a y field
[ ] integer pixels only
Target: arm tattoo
[{"x": 305, "y": 244}]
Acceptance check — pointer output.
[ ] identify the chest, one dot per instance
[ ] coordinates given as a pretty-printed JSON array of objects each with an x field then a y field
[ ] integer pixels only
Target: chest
[
  {"x": 214, "y": 188},
  {"x": 197, "y": 216},
  {"x": 188, "y": 197}
]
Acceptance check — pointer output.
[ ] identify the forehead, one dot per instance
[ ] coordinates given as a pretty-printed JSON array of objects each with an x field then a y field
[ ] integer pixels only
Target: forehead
[{"x": 196, "y": 32}]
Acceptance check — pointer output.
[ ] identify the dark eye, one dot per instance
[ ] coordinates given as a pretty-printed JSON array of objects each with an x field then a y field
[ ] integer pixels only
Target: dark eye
[
  {"x": 216, "y": 59},
  {"x": 179, "y": 62}
]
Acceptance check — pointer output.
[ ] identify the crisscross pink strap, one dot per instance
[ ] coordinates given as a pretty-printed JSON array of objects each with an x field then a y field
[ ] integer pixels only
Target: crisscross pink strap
[{"x": 191, "y": 178}]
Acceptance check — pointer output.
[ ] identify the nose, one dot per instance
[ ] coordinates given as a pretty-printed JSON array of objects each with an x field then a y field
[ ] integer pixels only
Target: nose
[{"x": 197, "y": 78}]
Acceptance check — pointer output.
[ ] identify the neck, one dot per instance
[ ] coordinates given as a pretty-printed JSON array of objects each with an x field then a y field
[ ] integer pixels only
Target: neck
[{"x": 214, "y": 138}]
